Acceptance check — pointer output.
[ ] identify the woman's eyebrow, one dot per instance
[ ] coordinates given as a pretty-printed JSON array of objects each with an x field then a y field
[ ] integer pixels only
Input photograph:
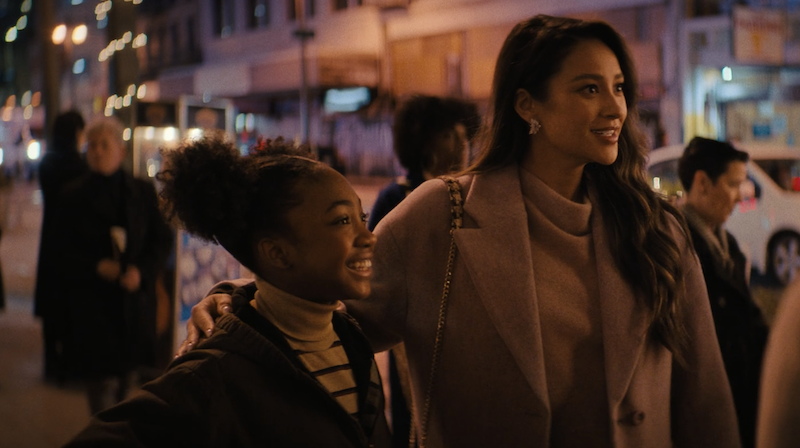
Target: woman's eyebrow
[{"x": 594, "y": 77}]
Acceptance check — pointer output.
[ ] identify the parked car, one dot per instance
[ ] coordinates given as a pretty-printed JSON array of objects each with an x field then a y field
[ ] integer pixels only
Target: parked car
[{"x": 767, "y": 222}]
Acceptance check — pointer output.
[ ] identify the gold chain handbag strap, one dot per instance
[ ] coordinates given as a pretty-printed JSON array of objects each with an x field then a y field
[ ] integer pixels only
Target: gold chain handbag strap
[{"x": 456, "y": 214}]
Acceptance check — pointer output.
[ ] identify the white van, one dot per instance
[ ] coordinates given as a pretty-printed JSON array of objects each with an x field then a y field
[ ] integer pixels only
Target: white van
[{"x": 767, "y": 222}]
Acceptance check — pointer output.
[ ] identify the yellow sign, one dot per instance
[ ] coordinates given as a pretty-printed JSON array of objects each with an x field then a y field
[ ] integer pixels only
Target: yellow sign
[{"x": 758, "y": 36}]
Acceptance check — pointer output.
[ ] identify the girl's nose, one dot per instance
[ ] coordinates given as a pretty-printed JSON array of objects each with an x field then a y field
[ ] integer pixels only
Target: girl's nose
[{"x": 365, "y": 237}]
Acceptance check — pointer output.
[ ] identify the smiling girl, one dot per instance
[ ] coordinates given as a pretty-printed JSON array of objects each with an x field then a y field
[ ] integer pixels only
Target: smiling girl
[
  {"x": 577, "y": 313},
  {"x": 287, "y": 369}
]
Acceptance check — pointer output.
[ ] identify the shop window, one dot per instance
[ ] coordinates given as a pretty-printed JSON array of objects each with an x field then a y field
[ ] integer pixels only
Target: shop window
[
  {"x": 162, "y": 46},
  {"x": 291, "y": 7},
  {"x": 258, "y": 13},
  {"x": 223, "y": 18},
  {"x": 191, "y": 40},
  {"x": 175, "y": 41}
]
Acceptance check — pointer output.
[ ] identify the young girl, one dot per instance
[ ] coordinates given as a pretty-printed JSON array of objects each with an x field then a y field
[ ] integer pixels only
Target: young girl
[
  {"x": 287, "y": 370},
  {"x": 577, "y": 313}
]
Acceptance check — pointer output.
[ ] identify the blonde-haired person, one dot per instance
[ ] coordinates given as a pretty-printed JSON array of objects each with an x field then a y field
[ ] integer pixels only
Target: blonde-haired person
[
  {"x": 577, "y": 313},
  {"x": 117, "y": 242}
]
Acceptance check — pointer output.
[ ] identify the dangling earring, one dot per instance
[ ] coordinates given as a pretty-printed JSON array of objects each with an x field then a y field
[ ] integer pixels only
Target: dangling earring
[{"x": 535, "y": 126}]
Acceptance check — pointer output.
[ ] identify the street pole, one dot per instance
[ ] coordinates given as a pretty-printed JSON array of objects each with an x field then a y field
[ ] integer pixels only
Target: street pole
[
  {"x": 304, "y": 34},
  {"x": 52, "y": 69}
]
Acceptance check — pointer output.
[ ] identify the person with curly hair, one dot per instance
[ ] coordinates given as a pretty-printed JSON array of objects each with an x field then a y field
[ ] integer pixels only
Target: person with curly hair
[
  {"x": 431, "y": 138},
  {"x": 287, "y": 369}
]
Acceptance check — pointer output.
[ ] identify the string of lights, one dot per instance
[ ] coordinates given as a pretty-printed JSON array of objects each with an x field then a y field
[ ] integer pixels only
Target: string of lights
[
  {"x": 117, "y": 102},
  {"x": 22, "y": 21}
]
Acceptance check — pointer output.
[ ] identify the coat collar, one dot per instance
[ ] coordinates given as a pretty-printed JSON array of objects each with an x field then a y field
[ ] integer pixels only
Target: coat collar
[
  {"x": 491, "y": 224},
  {"x": 495, "y": 217}
]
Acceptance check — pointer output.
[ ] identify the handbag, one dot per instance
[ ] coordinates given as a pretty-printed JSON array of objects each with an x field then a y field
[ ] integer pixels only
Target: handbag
[{"x": 456, "y": 214}]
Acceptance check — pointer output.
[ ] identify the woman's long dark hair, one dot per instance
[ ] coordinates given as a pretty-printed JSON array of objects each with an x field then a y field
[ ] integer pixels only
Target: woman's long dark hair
[{"x": 636, "y": 218}]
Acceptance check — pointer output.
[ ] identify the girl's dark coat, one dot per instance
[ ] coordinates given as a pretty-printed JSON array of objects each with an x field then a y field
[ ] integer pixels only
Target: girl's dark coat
[{"x": 245, "y": 387}]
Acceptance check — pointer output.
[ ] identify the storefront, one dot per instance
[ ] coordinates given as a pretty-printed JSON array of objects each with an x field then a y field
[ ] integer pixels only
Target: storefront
[{"x": 741, "y": 76}]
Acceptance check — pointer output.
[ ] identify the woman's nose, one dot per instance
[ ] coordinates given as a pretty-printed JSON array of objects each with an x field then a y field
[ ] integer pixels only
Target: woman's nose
[{"x": 616, "y": 105}]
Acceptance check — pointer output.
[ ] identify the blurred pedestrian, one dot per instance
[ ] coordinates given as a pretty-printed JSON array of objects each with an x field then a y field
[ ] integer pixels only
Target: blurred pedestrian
[
  {"x": 712, "y": 173},
  {"x": 61, "y": 164},
  {"x": 431, "y": 138},
  {"x": 288, "y": 370},
  {"x": 115, "y": 242},
  {"x": 574, "y": 312},
  {"x": 779, "y": 402}
]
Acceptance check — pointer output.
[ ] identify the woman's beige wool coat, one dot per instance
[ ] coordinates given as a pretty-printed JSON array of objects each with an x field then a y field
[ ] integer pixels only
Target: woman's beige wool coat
[{"x": 490, "y": 389}]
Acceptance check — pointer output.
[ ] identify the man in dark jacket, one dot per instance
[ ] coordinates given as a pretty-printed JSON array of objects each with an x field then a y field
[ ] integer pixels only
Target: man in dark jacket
[
  {"x": 115, "y": 242},
  {"x": 712, "y": 173}
]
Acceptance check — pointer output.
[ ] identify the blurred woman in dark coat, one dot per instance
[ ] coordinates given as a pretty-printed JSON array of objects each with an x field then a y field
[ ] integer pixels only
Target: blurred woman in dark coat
[
  {"x": 61, "y": 164},
  {"x": 117, "y": 242}
]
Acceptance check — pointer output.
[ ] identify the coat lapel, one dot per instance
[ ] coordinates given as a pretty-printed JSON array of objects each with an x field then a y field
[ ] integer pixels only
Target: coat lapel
[
  {"x": 496, "y": 222},
  {"x": 625, "y": 320}
]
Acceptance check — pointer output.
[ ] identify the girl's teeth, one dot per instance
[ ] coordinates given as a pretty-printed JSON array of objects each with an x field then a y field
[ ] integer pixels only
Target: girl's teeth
[
  {"x": 604, "y": 133},
  {"x": 361, "y": 265}
]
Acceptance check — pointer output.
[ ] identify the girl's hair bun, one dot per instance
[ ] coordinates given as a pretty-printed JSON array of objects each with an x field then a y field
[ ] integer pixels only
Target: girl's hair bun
[{"x": 204, "y": 185}]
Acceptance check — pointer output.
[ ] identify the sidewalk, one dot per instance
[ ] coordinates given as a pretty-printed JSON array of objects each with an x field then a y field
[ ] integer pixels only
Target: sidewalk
[{"x": 33, "y": 414}]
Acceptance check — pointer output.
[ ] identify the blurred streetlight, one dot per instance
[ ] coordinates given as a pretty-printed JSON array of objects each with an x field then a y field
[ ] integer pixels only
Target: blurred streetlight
[
  {"x": 59, "y": 34},
  {"x": 78, "y": 36},
  {"x": 34, "y": 150}
]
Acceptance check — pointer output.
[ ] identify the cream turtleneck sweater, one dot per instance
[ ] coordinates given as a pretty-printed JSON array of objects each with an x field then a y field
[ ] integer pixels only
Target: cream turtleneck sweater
[
  {"x": 568, "y": 298},
  {"x": 308, "y": 329}
]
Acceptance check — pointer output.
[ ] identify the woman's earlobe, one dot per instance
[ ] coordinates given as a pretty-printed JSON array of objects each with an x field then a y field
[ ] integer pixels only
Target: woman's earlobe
[{"x": 523, "y": 104}]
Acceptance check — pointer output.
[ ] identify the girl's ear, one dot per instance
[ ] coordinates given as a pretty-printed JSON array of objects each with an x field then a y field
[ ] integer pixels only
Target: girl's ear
[
  {"x": 274, "y": 253},
  {"x": 523, "y": 104}
]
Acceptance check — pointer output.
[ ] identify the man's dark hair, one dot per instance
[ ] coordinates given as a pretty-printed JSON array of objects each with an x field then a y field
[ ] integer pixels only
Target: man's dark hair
[
  {"x": 418, "y": 121},
  {"x": 710, "y": 156}
]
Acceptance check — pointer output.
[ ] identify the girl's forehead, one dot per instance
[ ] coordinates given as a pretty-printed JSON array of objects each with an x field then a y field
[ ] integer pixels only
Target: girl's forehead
[{"x": 326, "y": 184}]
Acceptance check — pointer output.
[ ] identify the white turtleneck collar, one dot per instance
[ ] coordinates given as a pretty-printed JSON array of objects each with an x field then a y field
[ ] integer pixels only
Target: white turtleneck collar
[{"x": 302, "y": 321}]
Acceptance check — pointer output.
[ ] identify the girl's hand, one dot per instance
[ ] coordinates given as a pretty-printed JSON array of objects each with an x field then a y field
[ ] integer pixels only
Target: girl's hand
[{"x": 201, "y": 324}]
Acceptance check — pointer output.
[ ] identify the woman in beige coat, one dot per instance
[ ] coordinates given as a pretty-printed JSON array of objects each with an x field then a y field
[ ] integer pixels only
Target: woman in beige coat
[{"x": 577, "y": 311}]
